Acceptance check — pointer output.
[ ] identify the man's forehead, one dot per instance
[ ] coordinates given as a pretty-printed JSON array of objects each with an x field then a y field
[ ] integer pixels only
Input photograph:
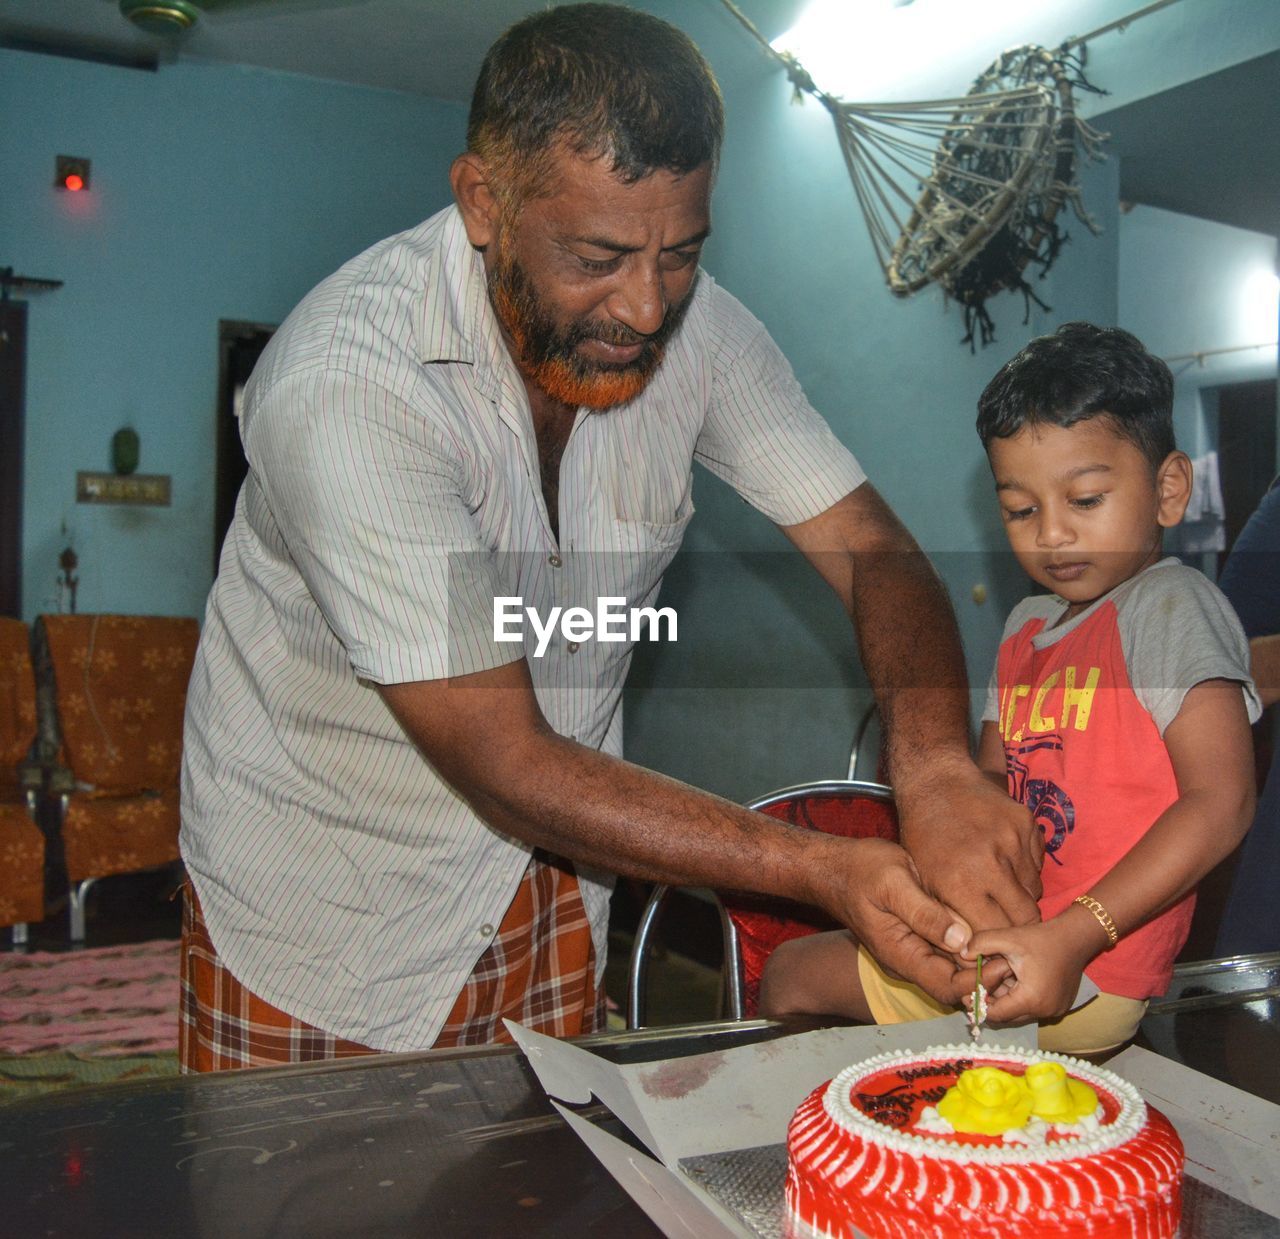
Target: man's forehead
[{"x": 586, "y": 199}]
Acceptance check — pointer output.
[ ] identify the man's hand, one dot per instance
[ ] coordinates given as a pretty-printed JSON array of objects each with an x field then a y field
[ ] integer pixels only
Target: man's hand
[
  {"x": 975, "y": 849},
  {"x": 872, "y": 887}
]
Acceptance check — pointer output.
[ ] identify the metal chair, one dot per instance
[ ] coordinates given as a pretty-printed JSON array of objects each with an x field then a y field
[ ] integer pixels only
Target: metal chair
[
  {"x": 866, "y": 754},
  {"x": 21, "y": 840},
  {"x": 753, "y": 926},
  {"x": 120, "y": 688}
]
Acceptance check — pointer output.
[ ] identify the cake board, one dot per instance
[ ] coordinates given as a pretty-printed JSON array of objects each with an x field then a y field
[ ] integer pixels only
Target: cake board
[{"x": 715, "y": 1125}]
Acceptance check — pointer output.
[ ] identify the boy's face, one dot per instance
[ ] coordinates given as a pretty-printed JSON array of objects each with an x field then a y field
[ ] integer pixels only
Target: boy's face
[{"x": 1083, "y": 507}]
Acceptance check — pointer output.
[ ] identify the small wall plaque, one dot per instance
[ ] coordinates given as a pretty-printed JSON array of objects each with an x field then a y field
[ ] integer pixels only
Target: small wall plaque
[{"x": 146, "y": 489}]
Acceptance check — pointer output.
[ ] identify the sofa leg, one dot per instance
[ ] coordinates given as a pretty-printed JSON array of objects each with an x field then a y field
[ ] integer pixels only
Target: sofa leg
[
  {"x": 21, "y": 935},
  {"x": 77, "y": 894}
]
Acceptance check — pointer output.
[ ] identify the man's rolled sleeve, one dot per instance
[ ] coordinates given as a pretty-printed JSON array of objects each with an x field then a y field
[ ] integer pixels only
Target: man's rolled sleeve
[
  {"x": 761, "y": 434},
  {"x": 368, "y": 496}
]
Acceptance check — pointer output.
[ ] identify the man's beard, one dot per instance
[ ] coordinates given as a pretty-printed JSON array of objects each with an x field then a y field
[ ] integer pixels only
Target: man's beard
[{"x": 547, "y": 353}]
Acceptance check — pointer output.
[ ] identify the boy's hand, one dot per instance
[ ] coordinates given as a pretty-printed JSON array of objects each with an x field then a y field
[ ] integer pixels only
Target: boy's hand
[
  {"x": 1045, "y": 961},
  {"x": 976, "y": 850}
]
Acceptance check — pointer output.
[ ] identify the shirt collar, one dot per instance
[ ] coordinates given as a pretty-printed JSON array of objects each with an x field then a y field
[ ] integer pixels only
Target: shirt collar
[{"x": 457, "y": 322}]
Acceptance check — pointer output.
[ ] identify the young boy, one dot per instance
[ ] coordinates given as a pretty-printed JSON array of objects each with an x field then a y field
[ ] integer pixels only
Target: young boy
[{"x": 1119, "y": 711}]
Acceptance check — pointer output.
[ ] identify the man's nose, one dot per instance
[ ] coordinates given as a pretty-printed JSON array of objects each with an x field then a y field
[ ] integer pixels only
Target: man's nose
[{"x": 639, "y": 300}]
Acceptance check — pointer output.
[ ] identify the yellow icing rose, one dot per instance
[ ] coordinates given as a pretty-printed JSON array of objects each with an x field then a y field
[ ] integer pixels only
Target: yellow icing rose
[
  {"x": 986, "y": 1101},
  {"x": 1057, "y": 1098}
]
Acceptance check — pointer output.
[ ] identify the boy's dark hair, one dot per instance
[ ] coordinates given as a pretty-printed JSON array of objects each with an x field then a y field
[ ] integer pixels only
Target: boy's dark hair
[
  {"x": 608, "y": 81},
  {"x": 1078, "y": 372}
]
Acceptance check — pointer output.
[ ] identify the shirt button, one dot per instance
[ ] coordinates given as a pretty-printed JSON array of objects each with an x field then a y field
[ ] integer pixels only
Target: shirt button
[
  {"x": 573, "y": 647},
  {"x": 554, "y": 560},
  {"x": 486, "y": 931}
]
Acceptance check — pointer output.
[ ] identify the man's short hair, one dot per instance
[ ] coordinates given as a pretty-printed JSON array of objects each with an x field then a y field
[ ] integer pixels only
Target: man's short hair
[
  {"x": 608, "y": 82},
  {"x": 1078, "y": 372}
]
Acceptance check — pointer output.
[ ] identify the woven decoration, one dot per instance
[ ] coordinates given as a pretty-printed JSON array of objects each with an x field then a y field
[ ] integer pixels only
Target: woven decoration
[{"x": 966, "y": 192}]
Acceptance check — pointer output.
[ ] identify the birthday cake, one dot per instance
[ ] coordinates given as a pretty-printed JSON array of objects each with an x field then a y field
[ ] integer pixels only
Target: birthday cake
[{"x": 977, "y": 1142}]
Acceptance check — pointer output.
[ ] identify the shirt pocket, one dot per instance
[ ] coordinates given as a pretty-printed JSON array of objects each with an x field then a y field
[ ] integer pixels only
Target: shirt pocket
[{"x": 643, "y": 550}]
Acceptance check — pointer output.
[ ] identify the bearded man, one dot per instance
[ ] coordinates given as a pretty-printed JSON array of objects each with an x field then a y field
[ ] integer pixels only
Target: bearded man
[{"x": 400, "y": 830}]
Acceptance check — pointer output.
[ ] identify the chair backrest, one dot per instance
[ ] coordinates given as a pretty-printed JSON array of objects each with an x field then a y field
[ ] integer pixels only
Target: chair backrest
[
  {"x": 754, "y": 926},
  {"x": 867, "y": 756},
  {"x": 17, "y": 696},
  {"x": 847, "y": 807},
  {"x": 120, "y": 693}
]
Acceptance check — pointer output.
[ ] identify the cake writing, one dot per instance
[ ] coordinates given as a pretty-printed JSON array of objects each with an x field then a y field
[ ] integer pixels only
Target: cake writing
[
  {"x": 954, "y": 1067},
  {"x": 896, "y": 1106}
]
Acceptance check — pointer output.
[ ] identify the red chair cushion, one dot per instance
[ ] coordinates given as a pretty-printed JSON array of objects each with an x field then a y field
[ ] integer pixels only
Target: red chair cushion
[{"x": 763, "y": 924}]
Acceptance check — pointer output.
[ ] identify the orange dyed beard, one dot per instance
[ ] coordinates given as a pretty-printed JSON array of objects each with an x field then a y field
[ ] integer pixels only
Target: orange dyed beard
[{"x": 547, "y": 353}]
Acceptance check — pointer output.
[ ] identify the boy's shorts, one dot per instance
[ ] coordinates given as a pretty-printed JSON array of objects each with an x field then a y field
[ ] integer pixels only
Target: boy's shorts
[{"x": 1103, "y": 1023}]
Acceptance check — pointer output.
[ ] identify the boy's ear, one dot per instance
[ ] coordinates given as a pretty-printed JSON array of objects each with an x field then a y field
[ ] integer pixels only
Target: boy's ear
[
  {"x": 1173, "y": 486},
  {"x": 476, "y": 199}
]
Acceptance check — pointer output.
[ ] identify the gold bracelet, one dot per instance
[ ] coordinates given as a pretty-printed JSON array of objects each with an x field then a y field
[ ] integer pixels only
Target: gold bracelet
[{"x": 1102, "y": 916}]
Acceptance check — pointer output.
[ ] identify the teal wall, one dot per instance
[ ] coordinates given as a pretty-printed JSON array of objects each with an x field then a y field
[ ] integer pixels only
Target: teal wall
[
  {"x": 221, "y": 193},
  {"x": 770, "y": 693},
  {"x": 217, "y": 193},
  {"x": 1183, "y": 291}
]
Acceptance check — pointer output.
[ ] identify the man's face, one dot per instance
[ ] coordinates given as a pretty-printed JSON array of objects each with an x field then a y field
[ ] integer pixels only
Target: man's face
[{"x": 590, "y": 281}]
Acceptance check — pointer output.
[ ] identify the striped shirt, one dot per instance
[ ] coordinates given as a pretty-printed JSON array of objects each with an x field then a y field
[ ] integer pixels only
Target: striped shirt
[{"x": 394, "y": 492}]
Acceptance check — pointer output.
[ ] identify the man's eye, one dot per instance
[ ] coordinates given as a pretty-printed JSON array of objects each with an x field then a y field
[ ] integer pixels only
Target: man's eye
[
  {"x": 597, "y": 264},
  {"x": 677, "y": 260}
]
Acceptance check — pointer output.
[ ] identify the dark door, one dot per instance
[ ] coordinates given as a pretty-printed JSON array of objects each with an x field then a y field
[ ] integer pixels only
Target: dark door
[
  {"x": 13, "y": 370},
  {"x": 1247, "y": 415},
  {"x": 239, "y": 347}
]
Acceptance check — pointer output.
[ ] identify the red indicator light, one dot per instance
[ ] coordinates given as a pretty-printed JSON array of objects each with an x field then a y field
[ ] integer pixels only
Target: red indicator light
[{"x": 71, "y": 172}]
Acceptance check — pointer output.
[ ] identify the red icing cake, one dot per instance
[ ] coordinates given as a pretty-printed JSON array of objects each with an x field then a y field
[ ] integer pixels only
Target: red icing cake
[{"x": 870, "y": 1150}]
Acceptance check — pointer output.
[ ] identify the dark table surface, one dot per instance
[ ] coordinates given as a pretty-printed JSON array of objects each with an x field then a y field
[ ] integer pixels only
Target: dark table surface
[{"x": 454, "y": 1143}]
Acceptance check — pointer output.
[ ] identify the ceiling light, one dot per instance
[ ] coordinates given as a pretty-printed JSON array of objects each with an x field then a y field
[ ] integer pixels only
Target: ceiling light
[{"x": 161, "y": 16}]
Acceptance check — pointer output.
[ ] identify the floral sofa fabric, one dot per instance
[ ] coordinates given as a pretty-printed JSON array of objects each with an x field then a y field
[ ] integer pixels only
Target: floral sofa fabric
[
  {"x": 120, "y": 692},
  {"x": 21, "y": 843}
]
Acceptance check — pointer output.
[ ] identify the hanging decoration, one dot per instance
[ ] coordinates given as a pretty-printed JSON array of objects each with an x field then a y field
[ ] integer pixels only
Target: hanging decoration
[{"x": 967, "y": 192}]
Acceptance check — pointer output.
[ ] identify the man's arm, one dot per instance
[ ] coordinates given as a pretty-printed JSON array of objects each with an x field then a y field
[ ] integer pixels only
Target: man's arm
[
  {"x": 1211, "y": 752},
  {"x": 975, "y": 848},
  {"x": 485, "y": 734}
]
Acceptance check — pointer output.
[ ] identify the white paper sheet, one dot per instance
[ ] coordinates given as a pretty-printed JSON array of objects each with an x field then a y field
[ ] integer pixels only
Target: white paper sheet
[{"x": 744, "y": 1097}]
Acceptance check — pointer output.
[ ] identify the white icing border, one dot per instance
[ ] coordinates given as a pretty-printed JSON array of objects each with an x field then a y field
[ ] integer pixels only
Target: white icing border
[{"x": 1127, "y": 1124}]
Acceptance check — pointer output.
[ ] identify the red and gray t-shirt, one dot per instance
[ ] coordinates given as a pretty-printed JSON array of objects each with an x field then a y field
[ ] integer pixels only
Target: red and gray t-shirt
[{"x": 1082, "y": 709}]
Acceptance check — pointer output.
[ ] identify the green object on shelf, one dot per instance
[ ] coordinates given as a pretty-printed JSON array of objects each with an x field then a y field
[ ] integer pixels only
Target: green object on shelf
[{"x": 125, "y": 450}]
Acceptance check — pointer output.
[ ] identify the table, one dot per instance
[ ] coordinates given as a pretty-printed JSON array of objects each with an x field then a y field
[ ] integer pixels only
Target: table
[{"x": 454, "y": 1142}]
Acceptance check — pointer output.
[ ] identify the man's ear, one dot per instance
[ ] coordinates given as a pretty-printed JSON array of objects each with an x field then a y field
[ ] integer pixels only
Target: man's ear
[
  {"x": 1173, "y": 486},
  {"x": 472, "y": 191}
]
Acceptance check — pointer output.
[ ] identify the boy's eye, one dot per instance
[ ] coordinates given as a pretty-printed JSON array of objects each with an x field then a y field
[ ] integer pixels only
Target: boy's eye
[
  {"x": 1018, "y": 514},
  {"x": 1087, "y": 501}
]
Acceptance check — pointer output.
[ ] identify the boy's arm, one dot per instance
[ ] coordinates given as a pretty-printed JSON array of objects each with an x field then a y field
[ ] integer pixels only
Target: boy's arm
[{"x": 1211, "y": 751}]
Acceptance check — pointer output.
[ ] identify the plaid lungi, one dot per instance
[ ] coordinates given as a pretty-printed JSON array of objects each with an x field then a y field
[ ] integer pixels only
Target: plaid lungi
[{"x": 539, "y": 970}]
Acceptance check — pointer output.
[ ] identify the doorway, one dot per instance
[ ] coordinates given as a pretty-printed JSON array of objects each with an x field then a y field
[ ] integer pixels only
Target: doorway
[
  {"x": 239, "y": 347},
  {"x": 13, "y": 387},
  {"x": 1247, "y": 416}
]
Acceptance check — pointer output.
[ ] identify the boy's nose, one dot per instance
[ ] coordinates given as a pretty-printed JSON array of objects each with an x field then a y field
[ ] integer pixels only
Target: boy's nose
[{"x": 1053, "y": 531}]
